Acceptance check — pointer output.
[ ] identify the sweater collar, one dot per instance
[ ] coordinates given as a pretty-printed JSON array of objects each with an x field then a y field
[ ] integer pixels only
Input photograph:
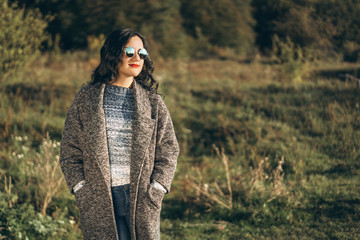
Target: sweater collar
[{"x": 141, "y": 99}]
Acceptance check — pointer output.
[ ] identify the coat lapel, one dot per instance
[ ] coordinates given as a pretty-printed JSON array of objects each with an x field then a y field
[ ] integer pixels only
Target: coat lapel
[
  {"x": 143, "y": 128},
  {"x": 97, "y": 132}
]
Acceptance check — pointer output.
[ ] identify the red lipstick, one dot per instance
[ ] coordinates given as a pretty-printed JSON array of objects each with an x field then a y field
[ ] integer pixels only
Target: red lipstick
[{"x": 134, "y": 65}]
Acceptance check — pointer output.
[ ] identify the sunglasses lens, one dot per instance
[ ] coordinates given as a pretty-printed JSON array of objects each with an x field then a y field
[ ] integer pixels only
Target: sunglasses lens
[
  {"x": 143, "y": 53},
  {"x": 130, "y": 52}
]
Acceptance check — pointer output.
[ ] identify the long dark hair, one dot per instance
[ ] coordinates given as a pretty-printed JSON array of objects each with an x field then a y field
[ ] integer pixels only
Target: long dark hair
[{"x": 111, "y": 54}]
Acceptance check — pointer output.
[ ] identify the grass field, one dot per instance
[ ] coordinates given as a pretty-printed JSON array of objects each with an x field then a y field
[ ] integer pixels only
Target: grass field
[{"x": 262, "y": 157}]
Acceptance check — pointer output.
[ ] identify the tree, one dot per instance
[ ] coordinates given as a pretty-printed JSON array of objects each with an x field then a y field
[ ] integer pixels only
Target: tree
[
  {"x": 225, "y": 23},
  {"x": 323, "y": 27}
]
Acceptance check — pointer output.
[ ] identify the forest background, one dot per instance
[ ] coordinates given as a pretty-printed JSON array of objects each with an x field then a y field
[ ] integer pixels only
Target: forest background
[{"x": 264, "y": 96}]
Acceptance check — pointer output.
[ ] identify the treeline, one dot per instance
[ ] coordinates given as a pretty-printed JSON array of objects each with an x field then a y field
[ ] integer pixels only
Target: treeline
[{"x": 175, "y": 28}]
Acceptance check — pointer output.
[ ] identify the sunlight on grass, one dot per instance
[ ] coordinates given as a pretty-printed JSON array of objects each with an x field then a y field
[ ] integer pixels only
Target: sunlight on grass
[{"x": 260, "y": 158}]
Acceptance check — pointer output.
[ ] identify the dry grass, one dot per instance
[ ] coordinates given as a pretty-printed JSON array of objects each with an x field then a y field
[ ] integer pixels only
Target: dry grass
[
  {"x": 259, "y": 181},
  {"x": 212, "y": 191},
  {"x": 8, "y": 189},
  {"x": 273, "y": 184},
  {"x": 48, "y": 172}
]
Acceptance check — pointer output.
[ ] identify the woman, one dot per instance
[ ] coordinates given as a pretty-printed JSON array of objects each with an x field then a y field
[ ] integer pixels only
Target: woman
[{"x": 119, "y": 150}]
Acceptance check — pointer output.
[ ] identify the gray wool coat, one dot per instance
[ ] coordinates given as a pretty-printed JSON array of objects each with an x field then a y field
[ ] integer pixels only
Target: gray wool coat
[{"x": 84, "y": 156}]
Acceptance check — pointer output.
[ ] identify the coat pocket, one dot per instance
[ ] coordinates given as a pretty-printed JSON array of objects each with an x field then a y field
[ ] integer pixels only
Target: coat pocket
[
  {"x": 155, "y": 196},
  {"x": 84, "y": 201},
  {"x": 81, "y": 195}
]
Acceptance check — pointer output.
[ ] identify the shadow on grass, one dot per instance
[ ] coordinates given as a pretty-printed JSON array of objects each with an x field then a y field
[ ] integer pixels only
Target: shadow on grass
[
  {"x": 179, "y": 209},
  {"x": 43, "y": 93},
  {"x": 347, "y": 169},
  {"x": 337, "y": 73},
  {"x": 340, "y": 208},
  {"x": 259, "y": 97},
  {"x": 307, "y": 95}
]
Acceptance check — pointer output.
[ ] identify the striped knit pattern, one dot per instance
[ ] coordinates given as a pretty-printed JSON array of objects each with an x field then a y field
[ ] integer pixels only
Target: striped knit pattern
[{"x": 118, "y": 106}]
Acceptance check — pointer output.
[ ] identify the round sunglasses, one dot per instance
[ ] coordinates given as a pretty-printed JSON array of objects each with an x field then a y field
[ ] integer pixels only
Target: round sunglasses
[{"x": 130, "y": 52}]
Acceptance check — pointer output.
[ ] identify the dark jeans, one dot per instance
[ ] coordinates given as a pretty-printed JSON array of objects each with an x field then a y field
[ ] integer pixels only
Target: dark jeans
[{"x": 121, "y": 201}]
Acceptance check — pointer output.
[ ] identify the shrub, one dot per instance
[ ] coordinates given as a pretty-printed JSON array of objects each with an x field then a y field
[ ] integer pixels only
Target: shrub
[
  {"x": 20, "y": 221},
  {"x": 41, "y": 168},
  {"x": 351, "y": 51},
  {"x": 29, "y": 183},
  {"x": 262, "y": 183},
  {"x": 22, "y": 33},
  {"x": 292, "y": 57}
]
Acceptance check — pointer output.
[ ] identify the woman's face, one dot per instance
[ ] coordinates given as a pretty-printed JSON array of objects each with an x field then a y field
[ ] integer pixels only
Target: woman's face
[{"x": 131, "y": 66}]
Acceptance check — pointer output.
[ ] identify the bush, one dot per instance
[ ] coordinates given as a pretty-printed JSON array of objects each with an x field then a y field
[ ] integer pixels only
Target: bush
[
  {"x": 221, "y": 23},
  {"x": 351, "y": 51},
  {"x": 29, "y": 183},
  {"x": 20, "y": 221},
  {"x": 292, "y": 57},
  {"x": 37, "y": 168},
  {"x": 21, "y": 36}
]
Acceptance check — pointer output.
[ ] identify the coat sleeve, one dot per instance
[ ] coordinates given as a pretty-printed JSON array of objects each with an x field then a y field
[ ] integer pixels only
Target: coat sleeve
[
  {"x": 71, "y": 152},
  {"x": 167, "y": 148}
]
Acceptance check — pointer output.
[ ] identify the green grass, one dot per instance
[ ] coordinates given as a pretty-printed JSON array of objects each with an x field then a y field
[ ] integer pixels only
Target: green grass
[{"x": 250, "y": 112}]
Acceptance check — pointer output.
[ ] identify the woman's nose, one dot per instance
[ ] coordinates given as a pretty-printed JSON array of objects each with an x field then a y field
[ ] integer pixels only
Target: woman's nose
[{"x": 136, "y": 56}]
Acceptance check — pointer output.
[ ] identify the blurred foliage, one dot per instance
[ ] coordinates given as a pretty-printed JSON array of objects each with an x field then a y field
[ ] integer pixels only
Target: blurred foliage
[
  {"x": 21, "y": 36},
  {"x": 320, "y": 25},
  {"x": 159, "y": 21},
  {"x": 293, "y": 58},
  {"x": 221, "y": 28},
  {"x": 223, "y": 23},
  {"x": 351, "y": 51},
  {"x": 174, "y": 28}
]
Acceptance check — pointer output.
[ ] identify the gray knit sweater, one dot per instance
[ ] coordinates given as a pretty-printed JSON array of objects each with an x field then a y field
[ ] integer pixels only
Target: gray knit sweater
[{"x": 118, "y": 106}]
